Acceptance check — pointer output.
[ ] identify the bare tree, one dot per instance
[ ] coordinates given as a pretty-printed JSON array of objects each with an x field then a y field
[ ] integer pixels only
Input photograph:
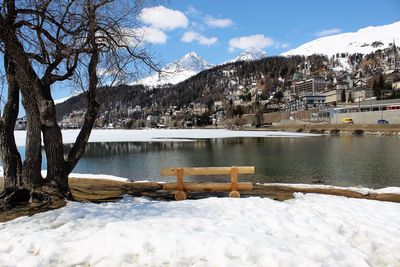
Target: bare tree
[{"x": 46, "y": 42}]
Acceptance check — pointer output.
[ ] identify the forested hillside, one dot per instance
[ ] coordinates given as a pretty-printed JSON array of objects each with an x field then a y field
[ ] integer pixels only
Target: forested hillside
[{"x": 206, "y": 87}]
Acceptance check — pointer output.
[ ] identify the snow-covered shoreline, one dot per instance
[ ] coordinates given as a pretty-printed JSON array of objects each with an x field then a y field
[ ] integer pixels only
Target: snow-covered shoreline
[
  {"x": 309, "y": 230},
  {"x": 362, "y": 190},
  {"x": 161, "y": 135}
]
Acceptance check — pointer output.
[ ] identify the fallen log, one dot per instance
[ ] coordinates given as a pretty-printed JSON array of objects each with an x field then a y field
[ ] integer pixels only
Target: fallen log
[
  {"x": 283, "y": 192},
  {"x": 98, "y": 190},
  {"x": 104, "y": 189}
]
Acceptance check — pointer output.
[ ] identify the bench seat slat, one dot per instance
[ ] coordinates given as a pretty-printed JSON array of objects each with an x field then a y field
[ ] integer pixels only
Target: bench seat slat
[
  {"x": 208, "y": 187},
  {"x": 207, "y": 170}
]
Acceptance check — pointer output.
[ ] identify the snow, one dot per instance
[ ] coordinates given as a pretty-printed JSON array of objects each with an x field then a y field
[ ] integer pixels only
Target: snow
[
  {"x": 61, "y": 100},
  {"x": 310, "y": 230},
  {"x": 343, "y": 64},
  {"x": 176, "y": 72},
  {"x": 250, "y": 54},
  {"x": 95, "y": 176},
  {"x": 361, "y": 190},
  {"x": 388, "y": 190},
  {"x": 173, "y": 77},
  {"x": 351, "y": 42},
  {"x": 161, "y": 135}
]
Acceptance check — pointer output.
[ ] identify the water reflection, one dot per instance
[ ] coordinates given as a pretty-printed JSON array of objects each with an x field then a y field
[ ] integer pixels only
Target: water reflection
[
  {"x": 369, "y": 161},
  {"x": 344, "y": 161}
]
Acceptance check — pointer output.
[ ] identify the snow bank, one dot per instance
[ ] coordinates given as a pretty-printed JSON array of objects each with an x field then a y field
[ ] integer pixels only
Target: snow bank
[
  {"x": 156, "y": 135},
  {"x": 95, "y": 176},
  {"x": 362, "y": 190},
  {"x": 310, "y": 230},
  {"x": 86, "y": 176}
]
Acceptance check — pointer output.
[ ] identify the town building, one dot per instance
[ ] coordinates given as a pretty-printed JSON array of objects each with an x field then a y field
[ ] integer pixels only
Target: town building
[
  {"x": 310, "y": 86},
  {"x": 200, "y": 109},
  {"x": 307, "y": 102}
]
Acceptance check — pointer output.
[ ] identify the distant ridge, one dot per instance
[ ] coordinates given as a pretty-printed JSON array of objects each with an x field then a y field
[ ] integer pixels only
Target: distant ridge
[{"x": 365, "y": 41}]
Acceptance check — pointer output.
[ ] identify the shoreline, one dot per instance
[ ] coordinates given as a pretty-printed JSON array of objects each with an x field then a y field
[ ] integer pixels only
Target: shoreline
[
  {"x": 339, "y": 129},
  {"x": 106, "y": 188}
]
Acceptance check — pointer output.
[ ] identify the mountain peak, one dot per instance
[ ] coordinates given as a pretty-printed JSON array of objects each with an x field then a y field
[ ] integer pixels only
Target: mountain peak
[
  {"x": 249, "y": 54},
  {"x": 178, "y": 71},
  {"x": 191, "y": 54}
]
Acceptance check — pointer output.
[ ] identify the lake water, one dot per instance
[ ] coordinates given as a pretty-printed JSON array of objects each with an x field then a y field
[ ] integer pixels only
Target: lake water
[{"x": 368, "y": 161}]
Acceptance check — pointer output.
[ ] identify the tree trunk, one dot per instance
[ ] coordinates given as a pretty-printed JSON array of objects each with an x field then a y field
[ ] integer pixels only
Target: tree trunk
[
  {"x": 33, "y": 146},
  {"x": 12, "y": 166},
  {"x": 28, "y": 84},
  {"x": 57, "y": 175},
  {"x": 81, "y": 141}
]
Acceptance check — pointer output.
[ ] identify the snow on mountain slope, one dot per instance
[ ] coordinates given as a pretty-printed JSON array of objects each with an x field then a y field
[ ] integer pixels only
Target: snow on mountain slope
[
  {"x": 61, "y": 100},
  {"x": 365, "y": 40},
  {"x": 178, "y": 71},
  {"x": 249, "y": 55}
]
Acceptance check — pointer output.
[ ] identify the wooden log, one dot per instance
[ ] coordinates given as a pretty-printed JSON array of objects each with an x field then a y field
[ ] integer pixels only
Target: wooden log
[
  {"x": 207, "y": 170},
  {"x": 283, "y": 192},
  {"x": 208, "y": 187},
  {"x": 104, "y": 189}
]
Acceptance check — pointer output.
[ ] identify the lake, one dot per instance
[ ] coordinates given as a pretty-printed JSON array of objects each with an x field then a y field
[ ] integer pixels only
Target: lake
[{"x": 368, "y": 161}]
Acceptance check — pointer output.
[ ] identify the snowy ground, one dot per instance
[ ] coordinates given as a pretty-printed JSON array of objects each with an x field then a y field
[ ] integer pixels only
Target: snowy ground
[
  {"x": 310, "y": 230},
  {"x": 148, "y": 135}
]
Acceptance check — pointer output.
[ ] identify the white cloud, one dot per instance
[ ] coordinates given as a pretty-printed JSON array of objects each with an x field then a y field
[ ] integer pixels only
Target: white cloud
[
  {"x": 138, "y": 36},
  {"x": 153, "y": 35},
  {"x": 192, "y": 11},
  {"x": 284, "y": 45},
  {"x": 252, "y": 41},
  {"x": 328, "y": 32},
  {"x": 219, "y": 23},
  {"x": 191, "y": 36},
  {"x": 164, "y": 18}
]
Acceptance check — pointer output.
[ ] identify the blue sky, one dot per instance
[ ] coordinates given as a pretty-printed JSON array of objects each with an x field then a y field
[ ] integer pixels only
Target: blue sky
[{"x": 282, "y": 25}]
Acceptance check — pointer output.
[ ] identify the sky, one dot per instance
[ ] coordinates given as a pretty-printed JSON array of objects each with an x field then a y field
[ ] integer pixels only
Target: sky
[{"x": 218, "y": 30}]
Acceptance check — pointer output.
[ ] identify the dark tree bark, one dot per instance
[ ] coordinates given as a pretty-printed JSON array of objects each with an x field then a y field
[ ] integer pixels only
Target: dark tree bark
[
  {"x": 57, "y": 175},
  {"x": 11, "y": 158},
  {"x": 28, "y": 84}
]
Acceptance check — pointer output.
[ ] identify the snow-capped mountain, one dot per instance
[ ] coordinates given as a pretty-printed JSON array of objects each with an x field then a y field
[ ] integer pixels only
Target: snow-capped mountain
[
  {"x": 365, "y": 40},
  {"x": 178, "y": 71},
  {"x": 249, "y": 55}
]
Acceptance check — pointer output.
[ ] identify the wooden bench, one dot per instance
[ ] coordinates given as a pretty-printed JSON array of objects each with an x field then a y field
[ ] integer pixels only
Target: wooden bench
[{"x": 181, "y": 188}]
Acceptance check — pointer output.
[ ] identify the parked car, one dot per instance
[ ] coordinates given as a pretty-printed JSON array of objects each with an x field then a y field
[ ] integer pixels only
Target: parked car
[
  {"x": 347, "y": 121},
  {"x": 382, "y": 121}
]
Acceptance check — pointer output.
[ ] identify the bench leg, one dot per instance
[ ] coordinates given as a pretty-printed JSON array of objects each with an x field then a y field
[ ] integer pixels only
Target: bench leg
[
  {"x": 180, "y": 194},
  {"x": 234, "y": 183}
]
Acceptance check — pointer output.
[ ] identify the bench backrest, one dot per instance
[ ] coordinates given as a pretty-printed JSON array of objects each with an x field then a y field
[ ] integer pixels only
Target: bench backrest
[{"x": 207, "y": 170}]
